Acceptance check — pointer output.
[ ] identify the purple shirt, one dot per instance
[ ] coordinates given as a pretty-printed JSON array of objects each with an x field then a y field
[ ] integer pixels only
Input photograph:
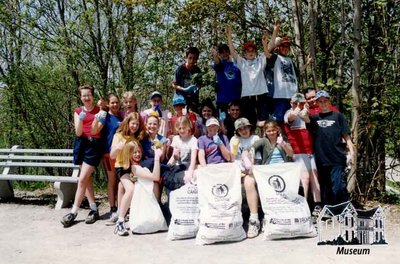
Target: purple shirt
[{"x": 212, "y": 152}]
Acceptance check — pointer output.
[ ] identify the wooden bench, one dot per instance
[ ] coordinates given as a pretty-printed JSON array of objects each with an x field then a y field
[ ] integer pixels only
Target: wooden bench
[{"x": 47, "y": 165}]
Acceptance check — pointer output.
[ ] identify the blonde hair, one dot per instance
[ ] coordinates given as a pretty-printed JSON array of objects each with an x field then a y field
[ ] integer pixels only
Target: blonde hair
[
  {"x": 129, "y": 95},
  {"x": 128, "y": 153},
  {"x": 183, "y": 120}
]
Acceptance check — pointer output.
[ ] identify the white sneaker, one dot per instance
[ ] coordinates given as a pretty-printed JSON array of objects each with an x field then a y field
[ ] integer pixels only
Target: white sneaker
[
  {"x": 254, "y": 228},
  {"x": 113, "y": 219},
  {"x": 120, "y": 229}
]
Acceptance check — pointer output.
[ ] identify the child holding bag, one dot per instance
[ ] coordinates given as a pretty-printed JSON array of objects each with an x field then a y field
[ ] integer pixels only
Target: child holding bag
[{"x": 133, "y": 157}]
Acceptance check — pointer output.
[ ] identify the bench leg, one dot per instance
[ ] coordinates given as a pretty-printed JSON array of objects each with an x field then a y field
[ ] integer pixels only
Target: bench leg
[
  {"x": 65, "y": 193},
  {"x": 6, "y": 189}
]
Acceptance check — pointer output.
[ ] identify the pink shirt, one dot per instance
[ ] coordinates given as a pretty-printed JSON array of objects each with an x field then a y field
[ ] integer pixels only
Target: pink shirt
[{"x": 87, "y": 121}]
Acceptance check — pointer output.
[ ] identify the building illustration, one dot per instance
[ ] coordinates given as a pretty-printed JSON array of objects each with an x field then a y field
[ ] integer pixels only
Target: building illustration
[{"x": 342, "y": 224}]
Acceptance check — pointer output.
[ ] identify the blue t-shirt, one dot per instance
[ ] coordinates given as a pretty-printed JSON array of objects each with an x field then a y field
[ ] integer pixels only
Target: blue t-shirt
[
  {"x": 147, "y": 145},
  {"x": 229, "y": 81},
  {"x": 110, "y": 127},
  {"x": 276, "y": 157}
]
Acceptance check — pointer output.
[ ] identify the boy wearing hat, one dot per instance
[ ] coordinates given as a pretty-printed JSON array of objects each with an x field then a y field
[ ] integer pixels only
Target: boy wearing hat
[
  {"x": 242, "y": 141},
  {"x": 254, "y": 87},
  {"x": 179, "y": 104},
  {"x": 213, "y": 147},
  {"x": 284, "y": 74},
  {"x": 156, "y": 106},
  {"x": 300, "y": 139},
  {"x": 330, "y": 129}
]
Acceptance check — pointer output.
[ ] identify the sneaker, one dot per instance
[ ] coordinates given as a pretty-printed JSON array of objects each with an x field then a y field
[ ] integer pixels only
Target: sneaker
[
  {"x": 254, "y": 228},
  {"x": 317, "y": 210},
  {"x": 68, "y": 219},
  {"x": 120, "y": 229},
  {"x": 113, "y": 219},
  {"x": 92, "y": 217}
]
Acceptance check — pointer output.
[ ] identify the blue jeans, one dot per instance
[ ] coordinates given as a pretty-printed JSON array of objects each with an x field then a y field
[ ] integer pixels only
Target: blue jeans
[
  {"x": 281, "y": 105},
  {"x": 333, "y": 181}
]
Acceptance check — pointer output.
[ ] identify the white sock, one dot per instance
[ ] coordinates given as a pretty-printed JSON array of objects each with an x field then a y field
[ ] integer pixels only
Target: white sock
[
  {"x": 93, "y": 207},
  {"x": 74, "y": 209},
  {"x": 121, "y": 219},
  {"x": 254, "y": 217}
]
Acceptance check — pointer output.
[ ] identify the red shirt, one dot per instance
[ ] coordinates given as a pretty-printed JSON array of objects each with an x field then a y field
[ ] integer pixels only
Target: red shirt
[
  {"x": 314, "y": 109},
  {"x": 87, "y": 121}
]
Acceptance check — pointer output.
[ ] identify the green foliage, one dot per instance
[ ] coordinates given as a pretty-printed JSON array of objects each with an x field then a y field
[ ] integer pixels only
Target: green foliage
[{"x": 48, "y": 48}]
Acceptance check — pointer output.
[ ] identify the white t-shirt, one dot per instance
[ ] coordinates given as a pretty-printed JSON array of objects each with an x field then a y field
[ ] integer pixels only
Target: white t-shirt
[
  {"x": 298, "y": 123},
  {"x": 185, "y": 149},
  {"x": 245, "y": 144},
  {"x": 252, "y": 73},
  {"x": 285, "y": 81}
]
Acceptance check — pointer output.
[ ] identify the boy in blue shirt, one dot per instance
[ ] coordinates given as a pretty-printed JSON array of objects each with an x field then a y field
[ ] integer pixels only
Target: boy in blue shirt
[{"x": 229, "y": 83}]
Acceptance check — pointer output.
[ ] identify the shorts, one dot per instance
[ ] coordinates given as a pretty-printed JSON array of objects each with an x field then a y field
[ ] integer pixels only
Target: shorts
[
  {"x": 119, "y": 172},
  {"x": 308, "y": 160},
  {"x": 108, "y": 163},
  {"x": 88, "y": 150}
]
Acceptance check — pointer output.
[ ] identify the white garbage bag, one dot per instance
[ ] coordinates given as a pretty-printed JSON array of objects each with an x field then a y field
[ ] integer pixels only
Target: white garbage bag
[
  {"x": 220, "y": 200},
  {"x": 145, "y": 213},
  {"x": 184, "y": 207},
  {"x": 286, "y": 214}
]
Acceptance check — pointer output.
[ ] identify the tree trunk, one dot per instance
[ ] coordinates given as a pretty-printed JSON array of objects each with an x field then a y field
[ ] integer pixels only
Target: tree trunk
[{"x": 355, "y": 91}]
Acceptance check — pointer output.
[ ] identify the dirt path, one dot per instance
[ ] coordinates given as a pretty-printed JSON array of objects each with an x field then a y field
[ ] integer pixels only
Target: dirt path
[{"x": 33, "y": 234}]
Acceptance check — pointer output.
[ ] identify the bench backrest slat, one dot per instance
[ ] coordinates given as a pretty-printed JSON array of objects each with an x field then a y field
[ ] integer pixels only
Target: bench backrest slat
[
  {"x": 41, "y": 158},
  {"x": 40, "y": 151},
  {"x": 38, "y": 164}
]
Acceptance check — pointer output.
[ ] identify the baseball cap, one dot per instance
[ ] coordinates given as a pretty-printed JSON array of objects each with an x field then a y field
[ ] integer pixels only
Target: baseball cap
[
  {"x": 249, "y": 44},
  {"x": 179, "y": 100},
  {"x": 212, "y": 121},
  {"x": 282, "y": 40},
  {"x": 241, "y": 122},
  {"x": 155, "y": 93},
  {"x": 321, "y": 93},
  {"x": 298, "y": 98}
]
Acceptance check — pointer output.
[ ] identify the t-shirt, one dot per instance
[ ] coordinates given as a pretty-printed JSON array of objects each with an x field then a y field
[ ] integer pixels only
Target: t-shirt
[
  {"x": 276, "y": 157},
  {"x": 185, "y": 149},
  {"x": 183, "y": 78},
  {"x": 87, "y": 121},
  {"x": 245, "y": 144},
  {"x": 148, "y": 145},
  {"x": 314, "y": 109},
  {"x": 298, "y": 135},
  {"x": 252, "y": 73},
  {"x": 120, "y": 160},
  {"x": 212, "y": 151},
  {"x": 266, "y": 149},
  {"x": 285, "y": 80},
  {"x": 328, "y": 130},
  {"x": 110, "y": 127},
  {"x": 229, "y": 81}
]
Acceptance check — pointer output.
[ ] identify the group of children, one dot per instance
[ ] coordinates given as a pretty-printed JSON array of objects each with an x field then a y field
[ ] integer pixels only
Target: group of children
[{"x": 167, "y": 147}]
